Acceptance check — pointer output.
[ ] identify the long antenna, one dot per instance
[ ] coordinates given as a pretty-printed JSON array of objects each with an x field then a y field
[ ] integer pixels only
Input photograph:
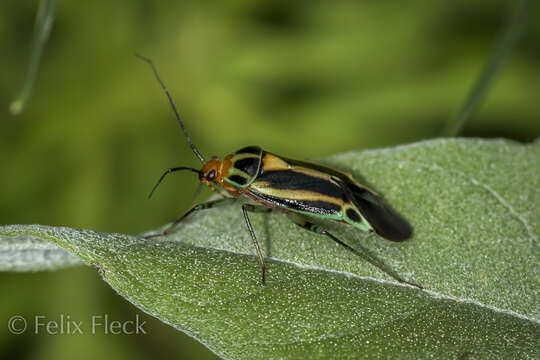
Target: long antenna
[
  {"x": 197, "y": 153},
  {"x": 167, "y": 172}
]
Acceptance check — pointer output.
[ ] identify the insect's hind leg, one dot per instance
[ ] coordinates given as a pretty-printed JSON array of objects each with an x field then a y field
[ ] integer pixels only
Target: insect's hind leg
[
  {"x": 306, "y": 224},
  {"x": 203, "y": 206},
  {"x": 253, "y": 208}
]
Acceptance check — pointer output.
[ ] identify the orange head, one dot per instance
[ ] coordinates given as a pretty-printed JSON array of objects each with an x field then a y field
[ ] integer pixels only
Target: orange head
[
  {"x": 211, "y": 171},
  {"x": 214, "y": 171}
]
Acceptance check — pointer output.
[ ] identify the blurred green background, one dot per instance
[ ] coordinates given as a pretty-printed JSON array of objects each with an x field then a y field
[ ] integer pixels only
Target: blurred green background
[{"x": 306, "y": 79}]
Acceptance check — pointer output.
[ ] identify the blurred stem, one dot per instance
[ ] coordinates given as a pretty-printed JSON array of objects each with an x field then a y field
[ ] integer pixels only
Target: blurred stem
[
  {"x": 42, "y": 29},
  {"x": 507, "y": 39}
]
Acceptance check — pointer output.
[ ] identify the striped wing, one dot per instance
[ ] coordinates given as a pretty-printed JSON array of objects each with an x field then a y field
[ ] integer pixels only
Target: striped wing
[
  {"x": 300, "y": 189},
  {"x": 319, "y": 190}
]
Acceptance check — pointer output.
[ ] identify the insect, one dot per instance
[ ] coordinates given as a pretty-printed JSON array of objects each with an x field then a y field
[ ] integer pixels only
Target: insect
[{"x": 302, "y": 190}]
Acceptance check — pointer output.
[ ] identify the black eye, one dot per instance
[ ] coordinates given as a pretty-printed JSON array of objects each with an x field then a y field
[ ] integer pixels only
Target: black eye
[{"x": 211, "y": 174}]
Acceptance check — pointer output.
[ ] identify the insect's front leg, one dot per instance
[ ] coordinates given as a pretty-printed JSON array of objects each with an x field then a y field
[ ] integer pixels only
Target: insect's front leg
[
  {"x": 306, "y": 224},
  {"x": 255, "y": 208},
  {"x": 203, "y": 206}
]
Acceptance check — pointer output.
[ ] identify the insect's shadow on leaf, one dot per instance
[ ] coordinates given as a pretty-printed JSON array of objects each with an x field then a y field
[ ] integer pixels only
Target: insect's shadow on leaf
[{"x": 364, "y": 252}]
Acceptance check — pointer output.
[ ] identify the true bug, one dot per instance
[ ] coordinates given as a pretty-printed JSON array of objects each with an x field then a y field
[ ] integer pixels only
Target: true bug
[{"x": 300, "y": 189}]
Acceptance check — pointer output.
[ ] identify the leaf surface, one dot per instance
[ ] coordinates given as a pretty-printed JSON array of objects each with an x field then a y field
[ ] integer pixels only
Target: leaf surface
[{"x": 474, "y": 205}]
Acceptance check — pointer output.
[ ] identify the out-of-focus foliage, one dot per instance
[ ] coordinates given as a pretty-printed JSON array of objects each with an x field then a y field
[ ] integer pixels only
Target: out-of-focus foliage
[{"x": 305, "y": 79}]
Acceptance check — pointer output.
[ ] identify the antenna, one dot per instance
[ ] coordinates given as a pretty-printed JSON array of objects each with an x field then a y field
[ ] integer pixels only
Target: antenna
[
  {"x": 195, "y": 151},
  {"x": 167, "y": 172}
]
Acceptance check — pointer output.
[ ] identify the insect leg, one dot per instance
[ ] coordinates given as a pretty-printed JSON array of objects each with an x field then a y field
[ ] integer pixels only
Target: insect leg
[
  {"x": 203, "y": 206},
  {"x": 194, "y": 198},
  {"x": 196, "y": 195},
  {"x": 253, "y": 208},
  {"x": 304, "y": 223}
]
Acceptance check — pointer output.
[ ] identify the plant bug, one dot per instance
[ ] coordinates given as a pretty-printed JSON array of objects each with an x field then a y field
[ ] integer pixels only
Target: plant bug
[{"x": 298, "y": 188}]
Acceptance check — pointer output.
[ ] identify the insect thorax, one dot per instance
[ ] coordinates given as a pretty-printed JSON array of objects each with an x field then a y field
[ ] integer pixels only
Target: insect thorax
[{"x": 245, "y": 166}]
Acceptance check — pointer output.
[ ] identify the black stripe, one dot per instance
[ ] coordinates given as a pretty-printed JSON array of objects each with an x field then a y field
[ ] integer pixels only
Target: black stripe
[
  {"x": 238, "y": 179},
  {"x": 353, "y": 215},
  {"x": 316, "y": 207},
  {"x": 355, "y": 187},
  {"x": 248, "y": 165},
  {"x": 356, "y": 190},
  {"x": 250, "y": 150},
  {"x": 292, "y": 180}
]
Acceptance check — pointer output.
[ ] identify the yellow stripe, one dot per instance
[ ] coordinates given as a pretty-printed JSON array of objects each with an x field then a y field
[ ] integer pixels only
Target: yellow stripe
[
  {"x": 273, "y": 163},
  {"x": 237, "y": 157},
  {"x": 311, "y": 172},
  {"x": 264, "y": 188}
]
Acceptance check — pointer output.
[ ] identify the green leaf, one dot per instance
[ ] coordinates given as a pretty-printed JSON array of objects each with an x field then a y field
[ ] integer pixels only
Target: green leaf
[
  {"x": 474, "y": 205},
  {"x": 33, "y": 254}
]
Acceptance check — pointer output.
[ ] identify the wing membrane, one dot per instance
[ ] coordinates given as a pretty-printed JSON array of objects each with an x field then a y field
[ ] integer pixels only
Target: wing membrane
[{"x": 385, "y": 221}]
